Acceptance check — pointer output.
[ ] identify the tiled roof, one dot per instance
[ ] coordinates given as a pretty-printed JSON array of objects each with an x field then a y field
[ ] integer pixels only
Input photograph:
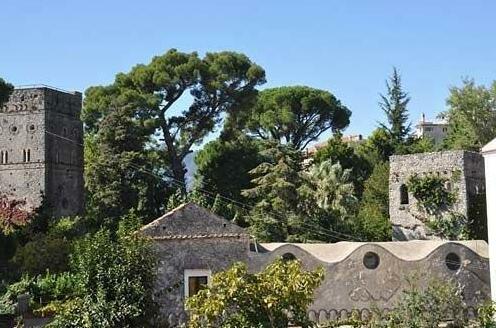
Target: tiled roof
[{"x": 207, "y": 236}]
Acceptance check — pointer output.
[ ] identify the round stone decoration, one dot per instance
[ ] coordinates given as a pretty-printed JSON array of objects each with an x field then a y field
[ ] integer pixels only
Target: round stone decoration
[
  {"x": 453, "y": 261},
  {"x": 371, "y": 260}
]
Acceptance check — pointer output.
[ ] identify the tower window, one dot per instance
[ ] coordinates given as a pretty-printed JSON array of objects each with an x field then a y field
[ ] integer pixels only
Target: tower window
[
  {"x": 26, "y": 155},
  {"x": 404, "y": 195},
  {"x": 5, "y": 157},
  {"x": 57, "y": 157}
]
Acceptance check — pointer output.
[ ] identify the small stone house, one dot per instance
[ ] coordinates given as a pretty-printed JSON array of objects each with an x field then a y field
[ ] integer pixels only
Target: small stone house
[{"x": 193, "y": 243}]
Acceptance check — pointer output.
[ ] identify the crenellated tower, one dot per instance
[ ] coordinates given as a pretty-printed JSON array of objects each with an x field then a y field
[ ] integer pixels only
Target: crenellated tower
[{"x": 41, "y": 149}]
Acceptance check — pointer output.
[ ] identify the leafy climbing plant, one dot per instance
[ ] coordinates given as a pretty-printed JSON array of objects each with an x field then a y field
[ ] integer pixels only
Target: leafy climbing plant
[{"x": 431, "y": 192}]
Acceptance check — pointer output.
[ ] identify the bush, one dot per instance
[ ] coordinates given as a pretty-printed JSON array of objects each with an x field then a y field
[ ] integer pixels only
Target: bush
[
  {"x": 115, "y": 283},
  {"x": 438, "y": 303},
  {"x": 272, "y": 298},
  {"x": 43, "y": 289},
  {"x": 486, "y": 315}
]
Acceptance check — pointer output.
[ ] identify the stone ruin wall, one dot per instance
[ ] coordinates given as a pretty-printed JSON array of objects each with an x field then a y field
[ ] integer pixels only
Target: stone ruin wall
[{"x": 465, "y": 171}]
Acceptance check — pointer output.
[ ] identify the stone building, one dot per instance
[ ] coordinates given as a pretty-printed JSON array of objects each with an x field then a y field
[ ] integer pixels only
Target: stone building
[
  {"x": 463, "y": 170},
  {"x": 192, "y": 244},
  {"x": 41, "y": 153}
]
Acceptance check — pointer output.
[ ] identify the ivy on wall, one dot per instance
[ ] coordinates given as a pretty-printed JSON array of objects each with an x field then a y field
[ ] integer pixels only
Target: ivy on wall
[
  {"x": 436, "y": 199},
  {"x": 431, "y": 192}
]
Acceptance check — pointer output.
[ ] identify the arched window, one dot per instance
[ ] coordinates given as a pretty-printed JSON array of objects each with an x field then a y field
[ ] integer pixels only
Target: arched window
[
  {"x": 1, "y": 157},
  {"x": 24, "y": 156},
  {"x": 28, "y": 155},
  {"x": 6, "y": 157},
  {"x": 404, "y": 195},
  {"x": 57, "y": 158}
]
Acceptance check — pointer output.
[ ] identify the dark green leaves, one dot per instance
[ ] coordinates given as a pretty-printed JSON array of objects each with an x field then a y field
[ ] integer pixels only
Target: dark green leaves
[{"x": 295, "y": 115}]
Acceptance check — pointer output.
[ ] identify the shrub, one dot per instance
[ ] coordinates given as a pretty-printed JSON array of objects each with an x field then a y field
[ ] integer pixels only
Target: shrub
[
  {"x": 115, "y": 283},
  {"x": 486, "y": 315},
  {"x": 272, "y": 298}
]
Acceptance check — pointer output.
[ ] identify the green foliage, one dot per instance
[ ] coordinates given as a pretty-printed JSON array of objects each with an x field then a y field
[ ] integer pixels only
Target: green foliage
[
  {"x": 347, "y": 156},
  {"x": 332, "y": 189},
  {"x": 50, "y": 250},
  {"x": 373, "y": 222},
  {"x": 115, "y": 279},
  {"x": 471, "y": 116},
  {"x": 278, "y": 295},
  {"x": 486, "y": 315},
  {"x": 42, "y": 290},
  {"x": 223, "y": 166},
  {"x": 394, "y": 105},
  {"x": 123, "y": 172},
  {"x": 295, "y": 115},
  {"x": 436, "y": 201},
  {"x": 275, "y": 193},
  {"x": 451, "y": 226},
  {"x": 218, "y": 83},
  {"x": 5, "y": 91},
  {"x": 431, "y": 192},
  {"x": 378, "y": 146},
  {"x": 421, "y": 307},
  {"x": 43, "y": 253},
  {"x": 429, "y": 307}
]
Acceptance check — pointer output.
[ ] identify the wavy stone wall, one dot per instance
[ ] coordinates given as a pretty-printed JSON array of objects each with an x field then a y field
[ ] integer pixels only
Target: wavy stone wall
[{"x": 368, "y": 276}]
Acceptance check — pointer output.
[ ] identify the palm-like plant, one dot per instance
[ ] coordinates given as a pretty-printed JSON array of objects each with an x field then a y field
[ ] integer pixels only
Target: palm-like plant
[{"x": 333, "y": 189}]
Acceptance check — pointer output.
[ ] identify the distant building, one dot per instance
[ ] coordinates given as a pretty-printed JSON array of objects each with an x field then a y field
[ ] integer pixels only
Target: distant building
[
  {"x": 351, "y": 138},
  {"x": 41, "y": 152},
  {"x": 436, "y": 130}
]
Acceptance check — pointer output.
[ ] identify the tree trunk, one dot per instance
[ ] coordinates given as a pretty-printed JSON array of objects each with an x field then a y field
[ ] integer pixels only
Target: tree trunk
[{"x": 178, "y": 170}]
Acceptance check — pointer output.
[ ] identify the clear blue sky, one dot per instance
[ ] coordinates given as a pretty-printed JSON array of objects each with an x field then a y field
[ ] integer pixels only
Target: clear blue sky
[{"x": 347, "y": 47}]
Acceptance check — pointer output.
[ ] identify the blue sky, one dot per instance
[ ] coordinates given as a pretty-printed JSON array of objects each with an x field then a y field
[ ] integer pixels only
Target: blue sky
[{"x": 347, "y": 47}]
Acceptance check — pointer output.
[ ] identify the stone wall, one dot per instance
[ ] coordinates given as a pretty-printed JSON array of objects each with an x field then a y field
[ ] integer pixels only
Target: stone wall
[
  {"x": 176, "y": 256},
  {"x": 358, "y": 276},
  {"x": 350, "y": 286},
  {"x": 42, "y": 134},
  {"x": 465, "y": 171}
]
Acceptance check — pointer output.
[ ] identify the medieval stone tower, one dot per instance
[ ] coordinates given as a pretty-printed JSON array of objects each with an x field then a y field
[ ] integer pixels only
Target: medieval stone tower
[
  {"x": 464, "y": 175},
  {"x": 41, "y": 152}
]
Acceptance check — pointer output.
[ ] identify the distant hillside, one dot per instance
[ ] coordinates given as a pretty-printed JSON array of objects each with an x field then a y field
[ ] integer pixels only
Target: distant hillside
[{"x": 189, "y": 162}]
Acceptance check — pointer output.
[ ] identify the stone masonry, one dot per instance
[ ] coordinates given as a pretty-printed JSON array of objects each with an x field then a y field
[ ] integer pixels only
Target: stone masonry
[
  {"x": 41, "y": 153},
  {"x": 464, "y": 169},
  {"x": 359, "y": 277},
  {"x": 188, "y": 238}
]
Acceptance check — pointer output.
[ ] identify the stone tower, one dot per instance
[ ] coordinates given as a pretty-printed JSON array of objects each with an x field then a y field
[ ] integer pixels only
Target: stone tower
[
  {"x": 463, "y": 170},
  {"x": 41, "y": 152}
]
